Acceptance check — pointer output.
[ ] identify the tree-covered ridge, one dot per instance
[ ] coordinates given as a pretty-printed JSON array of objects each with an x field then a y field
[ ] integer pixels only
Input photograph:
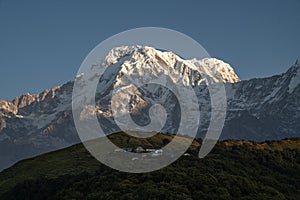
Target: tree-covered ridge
[{"x": 233, "y": 170}]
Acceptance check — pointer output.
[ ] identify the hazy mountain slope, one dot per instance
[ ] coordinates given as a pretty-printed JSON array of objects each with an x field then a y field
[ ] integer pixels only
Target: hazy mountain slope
[
  {"x": 264, "y": 108},
  {"x": 35, "y": 124}
]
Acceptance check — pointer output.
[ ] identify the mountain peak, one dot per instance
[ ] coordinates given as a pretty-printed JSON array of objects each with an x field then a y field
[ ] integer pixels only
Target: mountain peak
[
  {"x": 138, "y": 58},
  {"x": 298, "y": 61},
  {"x": 294, "y": 73},
  {"x": 218, "y": 69}
]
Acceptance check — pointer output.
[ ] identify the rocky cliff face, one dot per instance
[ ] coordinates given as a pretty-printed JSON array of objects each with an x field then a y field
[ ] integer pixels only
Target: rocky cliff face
[{"x": 258, "y": 109}]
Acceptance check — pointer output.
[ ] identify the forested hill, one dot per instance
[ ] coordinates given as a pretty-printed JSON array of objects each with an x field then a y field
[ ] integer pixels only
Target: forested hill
[{"x": 233, "y": 170}]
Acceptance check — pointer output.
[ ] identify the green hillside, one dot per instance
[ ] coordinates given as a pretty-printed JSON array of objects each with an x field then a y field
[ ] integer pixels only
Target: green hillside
[{"x": 233, "y": 170}]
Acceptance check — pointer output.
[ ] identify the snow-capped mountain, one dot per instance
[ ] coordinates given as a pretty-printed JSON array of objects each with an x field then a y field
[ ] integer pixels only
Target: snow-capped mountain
[{"x": 257, "y": 109}]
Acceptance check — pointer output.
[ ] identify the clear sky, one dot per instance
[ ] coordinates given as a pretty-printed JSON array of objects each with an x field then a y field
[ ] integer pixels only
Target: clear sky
[{"x": 42, "y": 43}]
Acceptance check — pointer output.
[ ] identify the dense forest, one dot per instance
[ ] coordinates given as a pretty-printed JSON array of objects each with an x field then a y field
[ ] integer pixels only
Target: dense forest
[{"x": 233, "y": 170}]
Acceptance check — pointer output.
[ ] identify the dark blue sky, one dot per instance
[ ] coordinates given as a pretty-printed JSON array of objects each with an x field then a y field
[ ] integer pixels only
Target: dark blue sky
[{"x": 42, "y": 43}]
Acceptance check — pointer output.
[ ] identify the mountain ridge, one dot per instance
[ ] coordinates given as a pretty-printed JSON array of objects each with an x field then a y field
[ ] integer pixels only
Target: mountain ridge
[{"x": 258, "y": 109}]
